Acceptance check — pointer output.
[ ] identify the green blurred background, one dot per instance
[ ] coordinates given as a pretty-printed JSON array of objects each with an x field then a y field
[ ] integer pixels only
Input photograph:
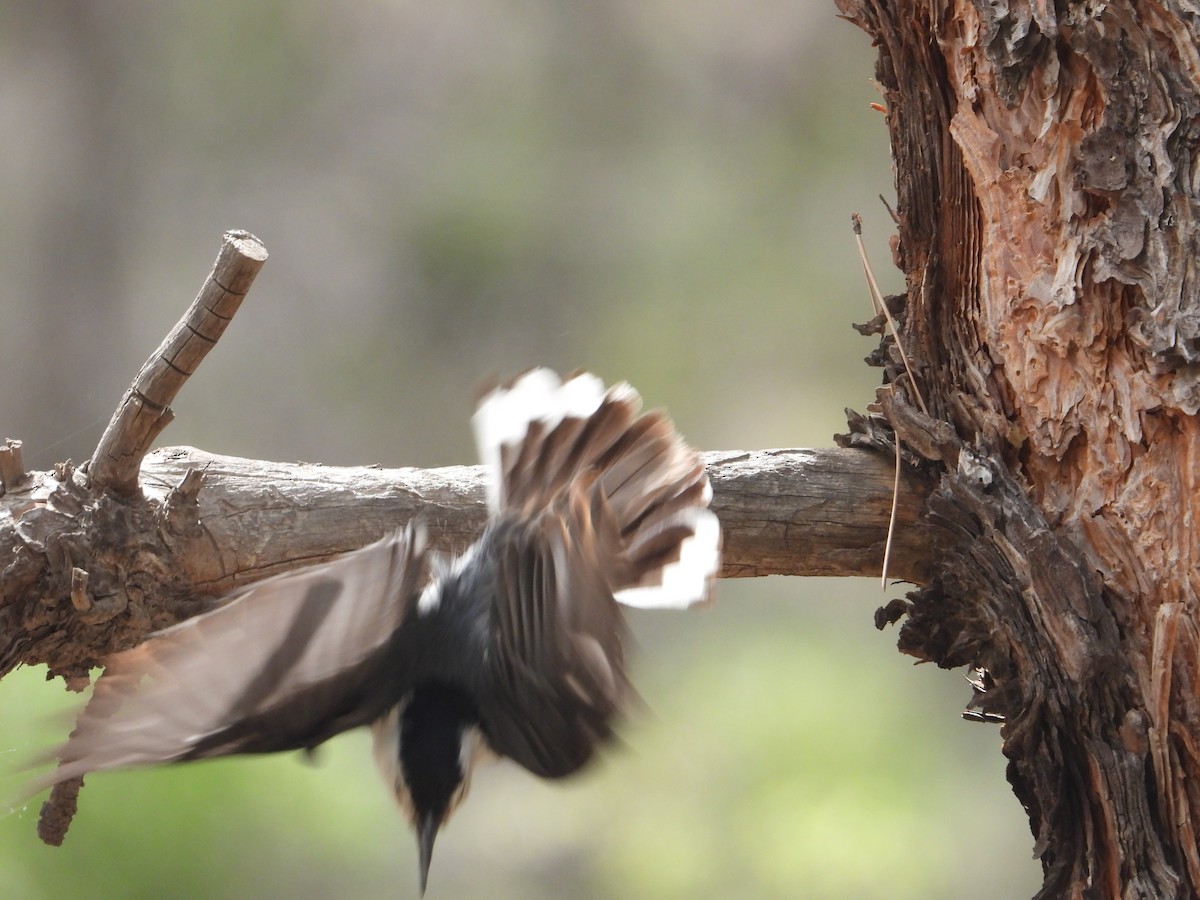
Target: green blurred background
[{"x": 658, "y": 191}]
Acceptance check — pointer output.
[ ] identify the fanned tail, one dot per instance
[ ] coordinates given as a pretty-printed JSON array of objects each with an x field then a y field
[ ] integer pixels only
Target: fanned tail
[{"x": 540, "y": 435}]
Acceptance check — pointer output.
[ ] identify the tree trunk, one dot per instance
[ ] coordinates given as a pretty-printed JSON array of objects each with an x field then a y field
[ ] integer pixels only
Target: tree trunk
[
  {"x": 1047, "y": 213},
  {"x": 1047, "y": 207}
]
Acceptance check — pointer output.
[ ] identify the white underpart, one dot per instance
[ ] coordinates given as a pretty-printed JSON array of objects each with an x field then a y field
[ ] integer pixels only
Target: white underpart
[
  {"x": 432, "y": 595},
  {"x": 430, "y": 598},
  {"x": 685, "y": 581},
  {"x": 503, "y": 416},
  {"x": 468, "y": 746},
  {"x": 385, "y": 735}
]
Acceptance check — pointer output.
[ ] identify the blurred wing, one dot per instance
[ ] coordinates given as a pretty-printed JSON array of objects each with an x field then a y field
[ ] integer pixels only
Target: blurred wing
[
  {"x": 557, "y": 665},
  {"x": 539, "y": 436},
  {"x": 286, "y": 664}
]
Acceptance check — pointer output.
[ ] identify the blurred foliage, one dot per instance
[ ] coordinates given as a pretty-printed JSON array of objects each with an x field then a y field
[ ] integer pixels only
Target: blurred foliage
[{"x": 657, "y": 191}]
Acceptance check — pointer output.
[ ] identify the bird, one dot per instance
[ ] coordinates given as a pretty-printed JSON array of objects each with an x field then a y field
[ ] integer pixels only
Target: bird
[{"x": 513, "y": 649}]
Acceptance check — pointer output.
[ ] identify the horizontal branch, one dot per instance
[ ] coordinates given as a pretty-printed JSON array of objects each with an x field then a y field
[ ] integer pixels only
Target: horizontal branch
[
  {"x": 94, "y": 564},
  {"x": 91, "y": 572},
  {"x": 783, "y": 512}
]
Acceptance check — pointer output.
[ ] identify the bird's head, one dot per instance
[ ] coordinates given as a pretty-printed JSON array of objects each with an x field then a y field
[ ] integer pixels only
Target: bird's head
[{"x": 426, "y": 748}]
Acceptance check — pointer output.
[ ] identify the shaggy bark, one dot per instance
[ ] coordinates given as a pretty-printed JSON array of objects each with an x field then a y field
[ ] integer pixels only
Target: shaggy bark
[{"x": 1047, "y": 206}]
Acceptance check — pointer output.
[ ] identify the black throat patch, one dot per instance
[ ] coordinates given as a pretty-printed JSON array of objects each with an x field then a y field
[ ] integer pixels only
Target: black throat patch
[{"x": 431, "y": 729}]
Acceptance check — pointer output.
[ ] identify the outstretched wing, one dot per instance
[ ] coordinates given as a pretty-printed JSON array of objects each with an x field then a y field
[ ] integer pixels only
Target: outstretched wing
[
  {"x": 539, "y": 435},
  {"x": 556, "y": 664},
  {"x": 287, "y": 663}
]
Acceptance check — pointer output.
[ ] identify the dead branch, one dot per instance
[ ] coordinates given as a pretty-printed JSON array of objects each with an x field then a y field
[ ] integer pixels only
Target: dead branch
[
  {"x": 132, "y": 542},
  {"x": 145, "y": 410},
  {"x": 205, "y": 524},
  {"x": 783, "y": 512}
]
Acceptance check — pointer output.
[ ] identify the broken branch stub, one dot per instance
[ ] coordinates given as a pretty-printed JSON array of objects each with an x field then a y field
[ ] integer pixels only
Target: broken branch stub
[{"x": 145, "y": 410}]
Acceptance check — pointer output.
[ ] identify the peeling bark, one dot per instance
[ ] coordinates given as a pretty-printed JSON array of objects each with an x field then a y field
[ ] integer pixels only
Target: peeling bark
[{"x": 1047, "y": 204}]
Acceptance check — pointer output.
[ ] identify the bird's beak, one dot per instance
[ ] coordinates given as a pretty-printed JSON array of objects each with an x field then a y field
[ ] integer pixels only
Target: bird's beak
[{"x": 427, "y": 830}]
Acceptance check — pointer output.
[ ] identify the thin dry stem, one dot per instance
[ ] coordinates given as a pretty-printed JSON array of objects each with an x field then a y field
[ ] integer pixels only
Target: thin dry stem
[
  {"x": 881, "y": 307},
  {"x": 891, "y": 531}
]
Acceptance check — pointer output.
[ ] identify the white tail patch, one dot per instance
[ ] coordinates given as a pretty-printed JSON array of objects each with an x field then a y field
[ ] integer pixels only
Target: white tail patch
[
  {"x": 503, "y": 416},
  {"x": 647, "y": 478},
  {"x": 688, "y": 580}
]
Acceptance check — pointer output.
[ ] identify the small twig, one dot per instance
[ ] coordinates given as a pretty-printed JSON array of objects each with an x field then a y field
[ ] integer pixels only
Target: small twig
[
  {"x": 181, "y": 510},
  {"x": 79, "y": 593},
  {"x": 60, "y": 807},
  {"x": 881, "y": 307},
  {"x": 188, "y": 488},
  {"x": 887, "y": 546},
  {"x": 145, "y": 410},
  {"x": 58, "y": 811},
  {"x": 888, "y": 207},
  {"x": 12, "y": 467}
]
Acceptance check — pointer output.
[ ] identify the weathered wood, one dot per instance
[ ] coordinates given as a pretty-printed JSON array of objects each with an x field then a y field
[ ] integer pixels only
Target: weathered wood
[
  {"x": 145, "y": 410},
  {"x": 12, "y": 465},
  {"x": 206, "y": 524},
  {"x": 783, "y": 512},
  {"x": 1048, "y": 211}
]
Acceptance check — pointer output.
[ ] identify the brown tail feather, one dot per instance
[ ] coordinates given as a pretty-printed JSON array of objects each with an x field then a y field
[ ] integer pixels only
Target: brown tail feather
[{"x": 654, "y": 485}]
